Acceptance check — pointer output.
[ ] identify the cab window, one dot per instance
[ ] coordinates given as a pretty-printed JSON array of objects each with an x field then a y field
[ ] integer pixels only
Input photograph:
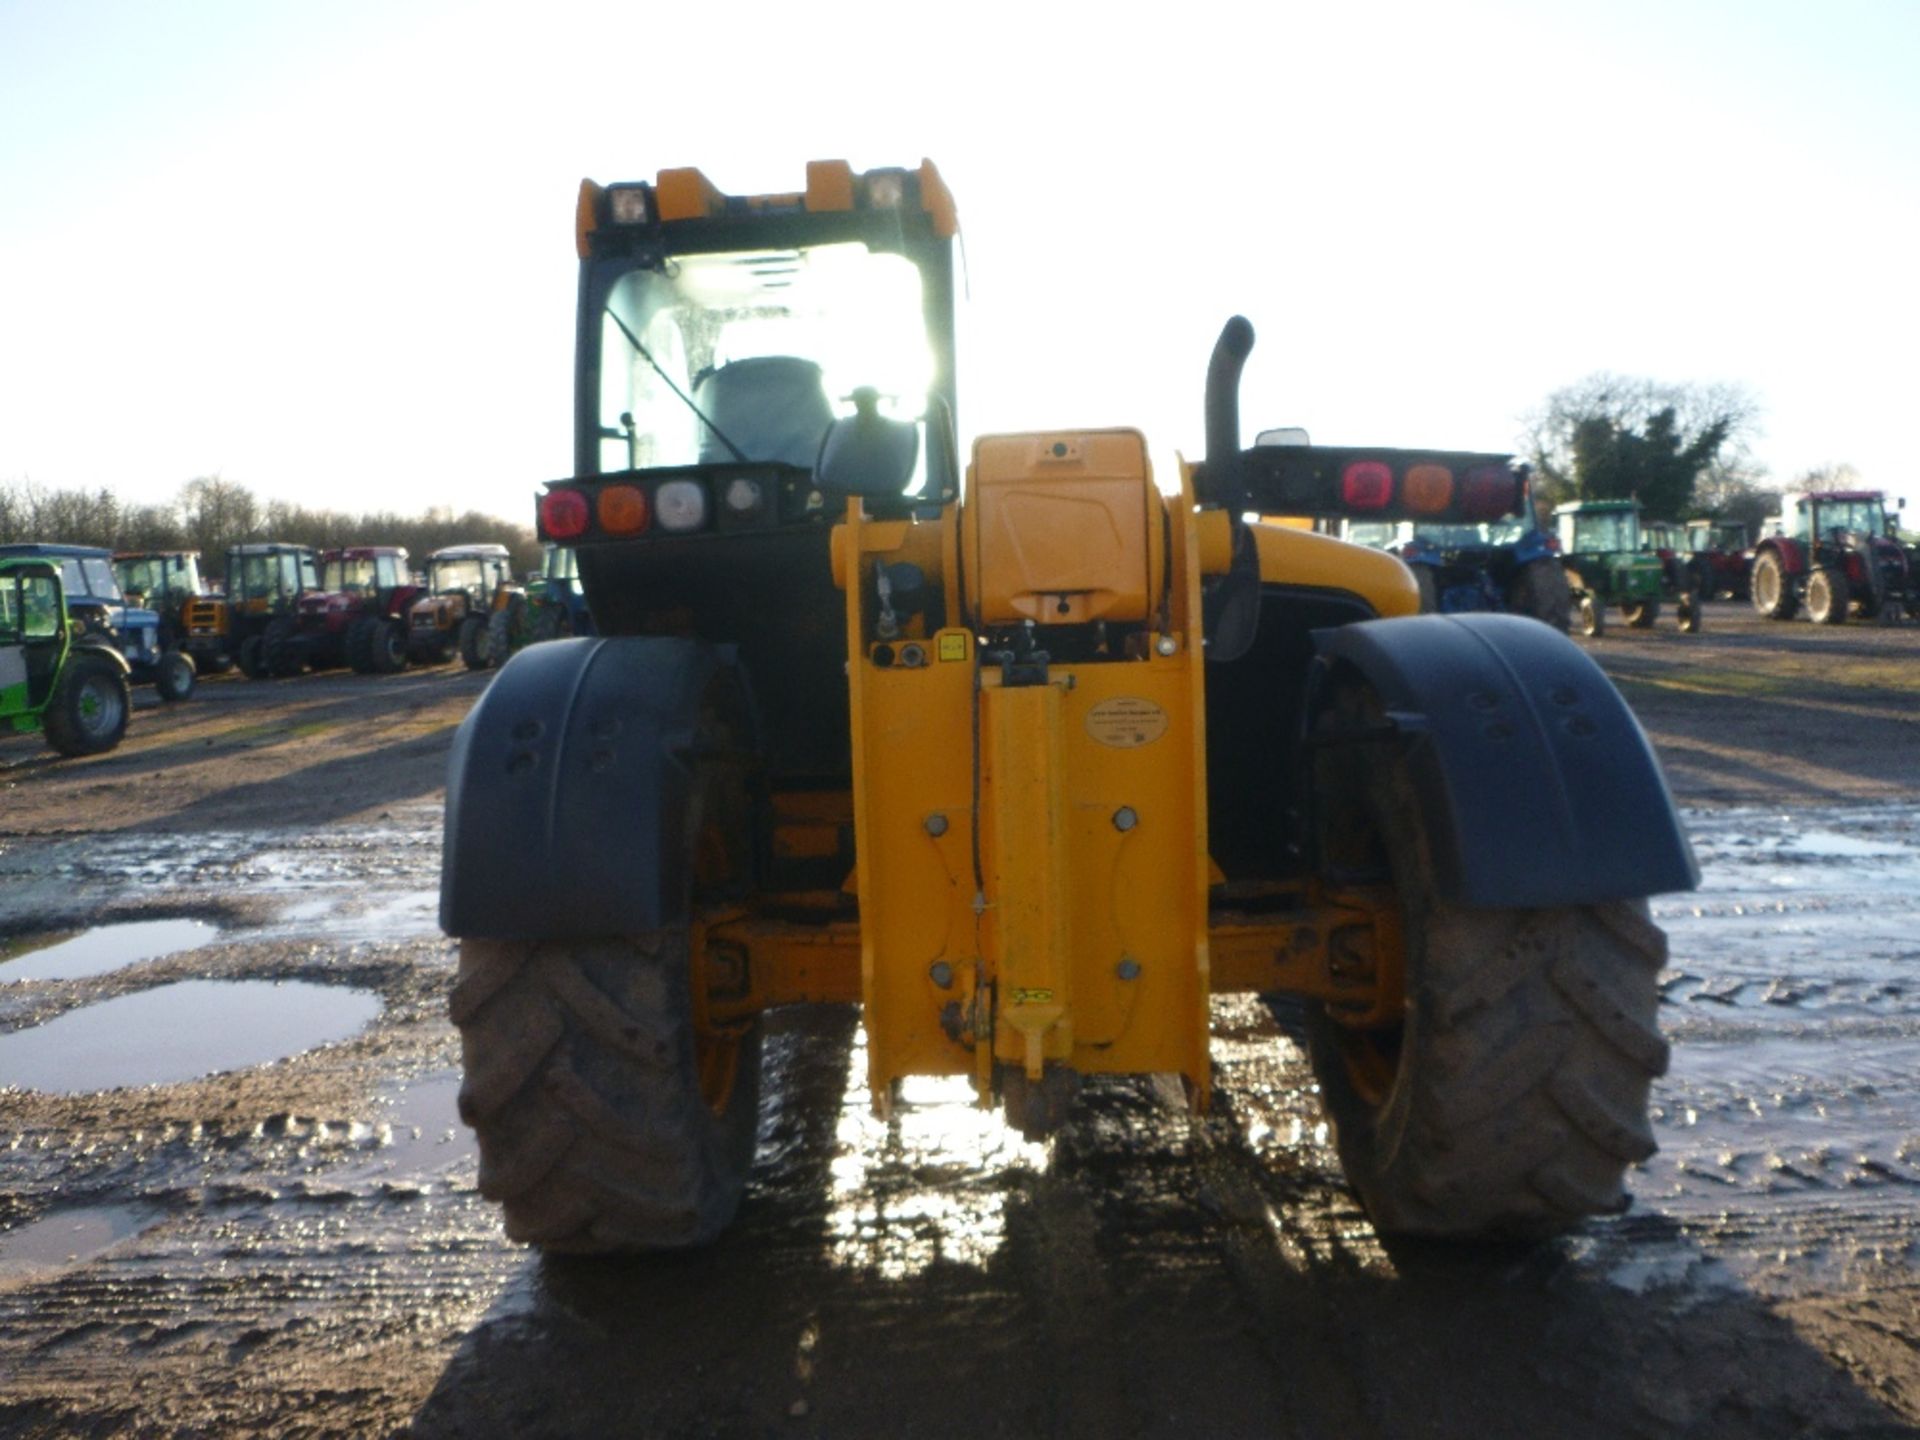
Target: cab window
[{"x": 39, "y": 607}]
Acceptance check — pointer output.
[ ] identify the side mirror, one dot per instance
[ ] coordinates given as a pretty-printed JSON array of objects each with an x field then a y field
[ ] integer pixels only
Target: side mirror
[{"x": 866, "y": 453}]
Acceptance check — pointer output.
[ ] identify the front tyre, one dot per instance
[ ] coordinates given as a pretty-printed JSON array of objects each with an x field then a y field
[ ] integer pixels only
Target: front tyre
[
  {"x": 389, "y": 647},
  {"x": 175, "y": 675},
  {"x": 1640, "y": 614},
  {"x": 1687, "y": 612},
  {"x": 1511, "y": 1097},
  {"x": 89, "y": 709},
  {"x": 1826, "y": 596}
]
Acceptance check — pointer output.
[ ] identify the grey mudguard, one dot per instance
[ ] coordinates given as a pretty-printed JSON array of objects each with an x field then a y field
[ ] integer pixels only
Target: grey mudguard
[
  {"x": 567, "y": 791},
  {"x": 1536, "y": 784}
]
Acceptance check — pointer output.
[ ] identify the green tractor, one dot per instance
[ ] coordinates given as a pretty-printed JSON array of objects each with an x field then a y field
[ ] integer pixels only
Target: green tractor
[
  {"x": 1601, "y": 550},
  {"x": 73, "y": 690},
  {"x": 551, "y": 606}
]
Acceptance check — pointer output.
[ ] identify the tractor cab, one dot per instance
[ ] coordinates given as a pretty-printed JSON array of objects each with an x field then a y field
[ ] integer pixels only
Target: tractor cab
[
  {"x": 161, "y": 579},
  {"x": 455, "y": 598}
]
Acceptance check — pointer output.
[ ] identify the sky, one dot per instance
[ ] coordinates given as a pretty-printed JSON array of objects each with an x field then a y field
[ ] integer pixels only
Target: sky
[{"x": 327, "y": 251}]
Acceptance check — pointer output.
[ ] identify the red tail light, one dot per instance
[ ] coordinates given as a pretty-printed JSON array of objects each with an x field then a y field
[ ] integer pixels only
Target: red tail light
[
  {"x": 563, "y": 514},
  {"x": 1366, "y": 485},
  {"x": 1488, "y": 492}
]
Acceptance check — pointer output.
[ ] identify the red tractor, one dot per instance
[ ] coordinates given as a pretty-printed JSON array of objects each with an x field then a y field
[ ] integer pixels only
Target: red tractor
[
  {"x": 1833, "y": 555},
  {"x": 1720, "y": 556},
  {"x": 359, "y": 618}
]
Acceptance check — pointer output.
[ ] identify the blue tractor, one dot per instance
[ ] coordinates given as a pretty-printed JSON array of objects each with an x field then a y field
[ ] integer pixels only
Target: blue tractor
[
  {"x": 1511, "y": 564},
  {"x": 99, "y": 607}
]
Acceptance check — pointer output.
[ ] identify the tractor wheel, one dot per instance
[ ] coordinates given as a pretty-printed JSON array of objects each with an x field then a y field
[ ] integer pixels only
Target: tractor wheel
[
  {"x": 555, "y": 622},
  {"x": 280, "y": 649},
  {"x": 89, "y": 708},
  {"x": 1770, "y": 589},
  {"x": 1511, "y": 1097},
  {"x": 175, "y": 677},
  {"x": 1640, "y": 614},
  {"x": 253, "y": 660},
  {"x": 1593, "y": 617},
  {"x": 500, "y": 634},
  {"x": 476, "y": 643},
  {"x": 389, "y": 647},
  {"x": 218, "y": 663},
  {"x": 1687, "y": 612},
  {"x": 1540, "y": 590},
  {"x": 359, "y": 646},
  {"x": 606, "y": 1120},
  {"x": 1826, "y": 596}
]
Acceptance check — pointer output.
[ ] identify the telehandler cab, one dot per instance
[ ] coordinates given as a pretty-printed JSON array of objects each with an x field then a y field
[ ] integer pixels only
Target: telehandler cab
[{"x": 1028, "y": 775}]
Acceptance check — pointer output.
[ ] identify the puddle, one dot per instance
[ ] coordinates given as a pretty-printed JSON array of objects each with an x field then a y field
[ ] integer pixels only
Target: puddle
[
  {"x": 180, "y": 1032},
  {"x": 928, "y": 1188},
  {"x": 421, "y": 1136},
  {"x": 1792, "y": 1000},
  {"x": 67, "y": 1237},
  {"x": 109, "y": 947}
]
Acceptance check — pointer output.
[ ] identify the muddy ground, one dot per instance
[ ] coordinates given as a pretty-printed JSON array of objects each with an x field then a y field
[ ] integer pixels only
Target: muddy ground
[{"x": 294, "y": 1245}]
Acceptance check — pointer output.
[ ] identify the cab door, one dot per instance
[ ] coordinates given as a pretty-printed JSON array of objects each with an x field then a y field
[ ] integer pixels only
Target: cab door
[{"x": 32, "y": 637}]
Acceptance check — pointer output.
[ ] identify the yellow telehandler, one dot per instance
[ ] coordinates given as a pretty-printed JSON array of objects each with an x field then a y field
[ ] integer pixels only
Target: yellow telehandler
[{"x": 1028, "y": 763}]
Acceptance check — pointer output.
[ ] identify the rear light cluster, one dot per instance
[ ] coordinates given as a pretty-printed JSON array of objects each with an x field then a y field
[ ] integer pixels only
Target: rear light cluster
[
  {"x": 622, "y": 509},
  {"x": 1483, "y": 492}
]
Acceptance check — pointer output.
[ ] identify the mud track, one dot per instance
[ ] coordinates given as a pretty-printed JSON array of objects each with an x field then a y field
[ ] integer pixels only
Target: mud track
[{"x": 297, "y": 1248}]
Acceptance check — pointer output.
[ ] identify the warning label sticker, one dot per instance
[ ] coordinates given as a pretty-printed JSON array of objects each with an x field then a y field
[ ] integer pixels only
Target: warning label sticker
[
  {"x": 952, "y": 645},
  {"x": 1126, "y": 721}
]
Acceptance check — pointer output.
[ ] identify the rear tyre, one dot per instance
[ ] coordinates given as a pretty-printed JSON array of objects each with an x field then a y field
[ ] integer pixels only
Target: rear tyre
[
  {"x": 608, "y": 1117},
  {"x": 1540, "y": 590},
  {"x": 88, "y": 711},
  {"x": 1770, "y": 590},
  {"x": 174, "y": 676},
  {"x": 1640, "y": 614},
  {"x": 253, "y": 660},
  {"x": 476, "y": 643},
  {"x": 599, "y": 1129},
  {"x": 1511, "y": 1099},
  {"x": 1826, "y": 597},
  {"x": 280, "y": 649},
  {"x": 504, "y": 628}
]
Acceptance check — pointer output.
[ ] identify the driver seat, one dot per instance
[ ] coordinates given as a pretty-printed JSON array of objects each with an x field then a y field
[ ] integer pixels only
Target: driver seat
[{"x": 774, "y": 407}]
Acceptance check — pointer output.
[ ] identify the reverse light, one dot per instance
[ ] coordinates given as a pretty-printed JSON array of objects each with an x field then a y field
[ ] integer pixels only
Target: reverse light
[
  {"x": 680, "y": 505},
  {"x": 886, "y": 189},
  {"x": 1366, "y": 485},
  {"x": 744, "y": 496},
  {"x": 627, "y": 204},
  {"x": 623, "y": 510},
  {"x": 563, "y": 514},
  {"x": 1428, "y": 489}
]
